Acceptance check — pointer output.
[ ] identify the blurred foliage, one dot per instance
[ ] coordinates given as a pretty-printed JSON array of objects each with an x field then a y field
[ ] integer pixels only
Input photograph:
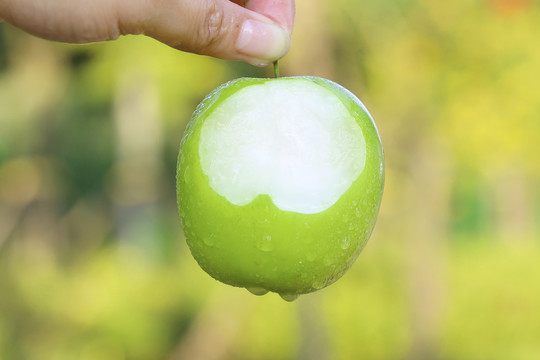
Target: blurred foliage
[{"x": 93, "y": 263}]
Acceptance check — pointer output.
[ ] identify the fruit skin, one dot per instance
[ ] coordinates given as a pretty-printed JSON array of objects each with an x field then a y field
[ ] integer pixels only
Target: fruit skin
[{"x": 260, "y": 246}]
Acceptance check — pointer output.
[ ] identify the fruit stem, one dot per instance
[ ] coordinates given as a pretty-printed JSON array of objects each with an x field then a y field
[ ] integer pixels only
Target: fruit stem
[{"x": 276, "y": 69}]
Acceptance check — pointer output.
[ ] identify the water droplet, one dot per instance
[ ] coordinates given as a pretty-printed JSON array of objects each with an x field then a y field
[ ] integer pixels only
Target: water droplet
[
  {"x": 259, "y": 291},
  {"x": 265, "y": 244},
  {"x": 187, "y": 223},
  {"x": 210, "y": 240},
  {"x": 352, "y": 226},
  {"x": 182, "y": 160},
  {"x": 311, "y": 257},
  {"x": 187, "y": 175},
  {"x": 318, "y": 285},
  {"x": 328, "y": 261},
  {"x": 344, "y": 243},
  {"x": 289, "y": 297}
]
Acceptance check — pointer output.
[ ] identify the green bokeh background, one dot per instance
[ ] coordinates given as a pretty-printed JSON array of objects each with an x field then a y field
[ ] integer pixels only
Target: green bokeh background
[{"x": 93, "y": 262}]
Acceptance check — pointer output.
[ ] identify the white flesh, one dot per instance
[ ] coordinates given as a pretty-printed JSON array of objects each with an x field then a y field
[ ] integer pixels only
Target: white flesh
[{"x": 291, "y": 139}]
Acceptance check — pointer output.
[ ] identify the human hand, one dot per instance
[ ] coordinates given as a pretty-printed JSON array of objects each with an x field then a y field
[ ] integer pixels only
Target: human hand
[{"x": 255, "y": 31}]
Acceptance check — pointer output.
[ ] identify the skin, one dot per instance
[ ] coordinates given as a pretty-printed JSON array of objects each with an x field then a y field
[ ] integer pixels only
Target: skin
[{"x": 209, "y": 27}]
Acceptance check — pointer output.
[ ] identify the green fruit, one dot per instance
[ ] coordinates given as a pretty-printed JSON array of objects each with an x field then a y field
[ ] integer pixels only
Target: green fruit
[{"x": 279, "y": 183}]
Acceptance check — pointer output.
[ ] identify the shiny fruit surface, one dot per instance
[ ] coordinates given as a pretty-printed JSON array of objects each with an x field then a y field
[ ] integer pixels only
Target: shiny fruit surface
[{"x": 279, "y": 183}]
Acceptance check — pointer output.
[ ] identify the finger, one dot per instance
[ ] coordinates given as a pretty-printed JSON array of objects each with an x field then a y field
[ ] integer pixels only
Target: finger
[
  {"x": 218, "y": 28},
  {"x": 62, "y": 20},
  {"x": 281, "y": 11}
]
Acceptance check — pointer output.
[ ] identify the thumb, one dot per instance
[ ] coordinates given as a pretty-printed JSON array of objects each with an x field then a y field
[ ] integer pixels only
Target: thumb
[{"x": 218, "y": 28}]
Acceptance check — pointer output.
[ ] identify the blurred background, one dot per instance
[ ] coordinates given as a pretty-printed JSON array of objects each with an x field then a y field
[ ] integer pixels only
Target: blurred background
[{"x": 93, "y": 262}]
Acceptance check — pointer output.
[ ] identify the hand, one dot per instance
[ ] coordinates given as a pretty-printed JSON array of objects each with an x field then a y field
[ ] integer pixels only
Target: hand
[{"x": 256, "y": 31}]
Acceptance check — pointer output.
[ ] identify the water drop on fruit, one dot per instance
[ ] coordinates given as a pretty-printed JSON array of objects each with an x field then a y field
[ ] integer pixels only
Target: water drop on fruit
[
  {"x": 259, "y": 291},
  {"x": 344, "y": 243},
  {"x": 265, "y": 244},
  {"x": 289, "y": 297},
  {"x": 187, "y": 223},
  {"x": 209, "y": 240},
  {"x": 187, "y": 175}
]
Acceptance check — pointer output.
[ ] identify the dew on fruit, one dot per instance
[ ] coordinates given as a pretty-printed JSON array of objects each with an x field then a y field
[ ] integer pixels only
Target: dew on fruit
[
  {"x": 311, "y": 256},
  {"x": 265, "y": 244},
  {"x": 289, "y": 297},
  {"x": 318, "y": 285},
  {"x": 187, "y": 223},
  {"x": 328, "y": 261},
  {"x": 182, "y": 160},
  {"x": 209, "y": 240},
  {"x": 187, "y": 175},
  {"x": 259, "y": 291},
  {"x": 344, "y": 243}
]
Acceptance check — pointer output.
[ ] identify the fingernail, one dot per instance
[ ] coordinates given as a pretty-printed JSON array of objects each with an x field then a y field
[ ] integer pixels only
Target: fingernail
[{"x": 262, "y": 41}]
